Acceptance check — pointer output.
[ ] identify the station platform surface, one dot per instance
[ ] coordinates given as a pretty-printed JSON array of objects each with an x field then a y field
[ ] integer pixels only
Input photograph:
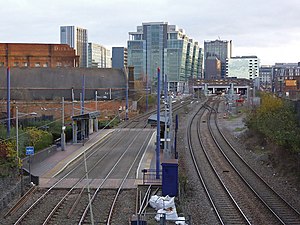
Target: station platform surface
[
  {"x": 53, "y": 165},
  {"x": 61, "y": 159}
]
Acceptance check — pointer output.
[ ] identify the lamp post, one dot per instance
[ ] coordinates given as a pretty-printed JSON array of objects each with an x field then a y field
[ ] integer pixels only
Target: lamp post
[
  {"x": 17, "y": 127},
  {"x": 17, "y": 140},
  {"x": 63, "y": 126}
]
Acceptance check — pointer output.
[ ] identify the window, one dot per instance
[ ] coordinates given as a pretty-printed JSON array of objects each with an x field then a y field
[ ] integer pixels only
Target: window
[
  {"x": 45, "y": 64},
  {"x": 1, "y": 64},
  {"x": 37, "y": 64},
  {"x": 58, "y": 64},
  {"x": 25, "y": 64},
  {"x": 16, "y": 64}
]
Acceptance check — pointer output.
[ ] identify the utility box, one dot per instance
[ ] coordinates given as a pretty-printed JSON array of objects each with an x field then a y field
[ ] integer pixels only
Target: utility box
[{"x": 170, "y": 177}]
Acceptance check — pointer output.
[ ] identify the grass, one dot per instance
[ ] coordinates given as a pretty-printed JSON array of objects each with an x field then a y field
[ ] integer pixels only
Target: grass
[{"x": 239, "y": 129}]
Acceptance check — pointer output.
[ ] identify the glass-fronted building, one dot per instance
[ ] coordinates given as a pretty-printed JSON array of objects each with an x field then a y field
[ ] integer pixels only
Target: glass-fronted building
[
  {"x": 98, "y": 56},
  {"x": 76, "y": 38},
  {"x": 158, "y": 44},
  {"x": 243, "y": 67}
]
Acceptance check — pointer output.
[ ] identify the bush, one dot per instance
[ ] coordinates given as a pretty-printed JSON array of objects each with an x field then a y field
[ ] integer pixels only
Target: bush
[
  {"x": 39, "y": 139},
  {"x": 276, "y": 120}
]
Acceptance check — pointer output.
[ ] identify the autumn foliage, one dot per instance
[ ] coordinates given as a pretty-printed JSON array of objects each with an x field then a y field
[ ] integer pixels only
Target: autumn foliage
[{"x": 276, "y": 120}]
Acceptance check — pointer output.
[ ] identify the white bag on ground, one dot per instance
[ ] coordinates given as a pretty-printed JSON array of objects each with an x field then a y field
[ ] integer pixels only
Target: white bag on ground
[
  {"x": 158, "y": 202},
  {"x": 170, "y": 213}
]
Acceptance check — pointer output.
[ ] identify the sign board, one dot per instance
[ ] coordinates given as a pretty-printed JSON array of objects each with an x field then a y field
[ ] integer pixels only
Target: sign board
[
  {"x": 290, "y": 83},
  {"x": 29, "y": 150}
]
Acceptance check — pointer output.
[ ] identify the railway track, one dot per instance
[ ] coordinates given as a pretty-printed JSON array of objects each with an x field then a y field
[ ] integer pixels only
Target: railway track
[
  {"x": 279, "y": 210},
  {"x": 140, "y": 121},
  {"x": 95, "y": 199},
  {"x": 226, "y": 208},
  {"x": 60, "y": 202},
  {"x": 63, "y": 204}
]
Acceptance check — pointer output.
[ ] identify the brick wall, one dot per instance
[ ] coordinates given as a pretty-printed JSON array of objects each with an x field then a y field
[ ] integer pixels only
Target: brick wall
[{"x": 37, "y": 55}]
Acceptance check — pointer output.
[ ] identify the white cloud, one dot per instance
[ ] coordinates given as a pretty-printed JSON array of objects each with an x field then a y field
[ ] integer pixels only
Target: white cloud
[{"x": 260, "y": 26}]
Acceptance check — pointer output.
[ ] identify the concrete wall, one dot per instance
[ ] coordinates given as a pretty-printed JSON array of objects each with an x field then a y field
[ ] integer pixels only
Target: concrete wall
[
  {"x": 13, "y": 192},
  {"x": 53, "y": 83}
]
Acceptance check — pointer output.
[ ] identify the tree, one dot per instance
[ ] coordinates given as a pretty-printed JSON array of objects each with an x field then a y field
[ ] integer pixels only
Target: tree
[{"x": 276, "y": 120}]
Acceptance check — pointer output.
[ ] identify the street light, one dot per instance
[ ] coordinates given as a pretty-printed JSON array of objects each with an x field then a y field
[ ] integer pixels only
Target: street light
[
  {"x": 17, "y": 127},
  {"x": 17, "y": 140}
]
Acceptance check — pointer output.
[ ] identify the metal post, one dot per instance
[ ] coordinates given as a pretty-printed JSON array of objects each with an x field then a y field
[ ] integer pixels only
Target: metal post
[
  {"x": 81, "y": 110},
  {"x": 18, "y": 158},
  {"x": 165, "y": 133},
  {"x": 88, "y": 188},
  {"x": 170, "y": 123},
  {"x": 62, "y": 139},
  {"x": 83, "y": 94},
  {"x": 165, "y": 86},
  {"x": 8, "y": 101},
  {"x": 158, "y": 126},
  {"x": 146, "y": 92},
  {"x": 126, "y": 111},
  {"x": 175, "y": 140},
  {"x": 73, "y": 123},
  {"x": 17, "y": 135},
  {"x": 166, "y": 100},
  {"x": 29, "y": 168},
  {"x": 96, "y": 96}
]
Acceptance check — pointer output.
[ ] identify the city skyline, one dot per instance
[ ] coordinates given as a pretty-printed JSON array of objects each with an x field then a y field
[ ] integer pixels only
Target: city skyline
[{"x": 266, "y": 29}]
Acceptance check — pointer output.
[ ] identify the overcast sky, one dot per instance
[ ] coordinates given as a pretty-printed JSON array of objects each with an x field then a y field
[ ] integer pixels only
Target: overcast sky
[{"x": 269, "y": 29}]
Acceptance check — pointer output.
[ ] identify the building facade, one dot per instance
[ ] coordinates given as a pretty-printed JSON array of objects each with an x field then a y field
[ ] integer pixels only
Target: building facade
[
  {"x": 286, "y": 79},
  {"x": 37, "y": 55},
  {"x": 98, "y": 56},
  {"x": 220, "y": 49},
  {"x": 76, "y": 38},
  {"x": 119, "y": 57},
  {"x": 246, "y": 67},
  {"x": 214, "y": 66},
  {"x": 159, "y": 45},
  {"x": 265, "y": 76}
]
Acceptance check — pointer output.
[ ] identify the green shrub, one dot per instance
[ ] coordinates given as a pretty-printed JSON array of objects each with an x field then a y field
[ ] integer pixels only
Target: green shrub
[{"x": 276, "y": 120}]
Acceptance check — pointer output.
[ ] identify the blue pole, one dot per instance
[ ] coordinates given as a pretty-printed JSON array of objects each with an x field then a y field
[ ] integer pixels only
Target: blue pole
[
  {"x": 158, "y": 126},
  {"x": 8, "y": 101},
  {"x": 175, "y": 141},
  {"x": 83, "y": 94},
  {"x": 165, "y": 87},
  {"x": 146, "y": 92},
  {"x": 126, "y": 110}
]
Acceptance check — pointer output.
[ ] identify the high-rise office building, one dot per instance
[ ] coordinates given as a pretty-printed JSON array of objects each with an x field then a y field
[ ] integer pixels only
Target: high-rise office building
[
  {"x": 98, "y": 56},
  {"x": 157, "y": 44},
  {"x": 246, "y": 67},
  {"x": 220, "y": 49},
  {"x": 76, "y": 38},
  {"x": 119, "y": 57}
]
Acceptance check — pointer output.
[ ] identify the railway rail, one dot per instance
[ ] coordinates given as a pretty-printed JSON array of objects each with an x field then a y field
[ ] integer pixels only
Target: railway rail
[
  {"x": 280, "y": 210},
  {"x": 59, "y": 202},
  {"x": 226, "y": 208}
]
